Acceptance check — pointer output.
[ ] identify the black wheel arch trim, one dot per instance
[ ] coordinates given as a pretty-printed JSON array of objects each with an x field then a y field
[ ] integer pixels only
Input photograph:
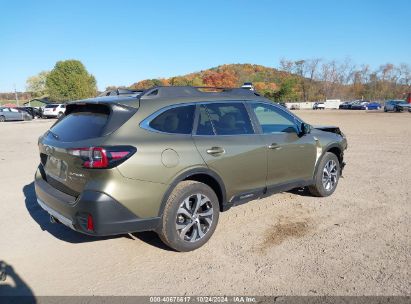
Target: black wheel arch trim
[
  {"x": 327, "y": 149},
  {"x": 186, "y": 175}
]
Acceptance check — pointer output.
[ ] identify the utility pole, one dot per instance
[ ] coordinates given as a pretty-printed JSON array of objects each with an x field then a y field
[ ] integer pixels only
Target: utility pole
[{"x": 15, "y": 94}]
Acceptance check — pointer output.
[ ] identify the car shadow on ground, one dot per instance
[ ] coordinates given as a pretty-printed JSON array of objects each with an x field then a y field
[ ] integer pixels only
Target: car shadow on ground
[
  {"x": 64, "y": 233},
  {"x": 18, "y": 291},
  {"x": 300, "y": 191},
  {"x": 151, "y": 238}
]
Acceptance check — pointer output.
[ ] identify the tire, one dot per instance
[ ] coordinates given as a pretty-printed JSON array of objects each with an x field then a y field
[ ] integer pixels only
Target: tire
[
  {"x": 385, "y": 109},
  {"x": 181, "y": 226},
  {"x": 325, "y": 183},
  {"x": 2, "y": 118},
  {"x": 59, "y": 115}
]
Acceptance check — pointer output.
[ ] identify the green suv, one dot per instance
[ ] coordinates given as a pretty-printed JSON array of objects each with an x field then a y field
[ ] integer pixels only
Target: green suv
[{"x": 170, "y": 159}]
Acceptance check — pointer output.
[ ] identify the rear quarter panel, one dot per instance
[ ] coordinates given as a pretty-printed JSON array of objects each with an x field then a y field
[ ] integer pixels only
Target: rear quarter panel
[{"x": 160, "y": 157}]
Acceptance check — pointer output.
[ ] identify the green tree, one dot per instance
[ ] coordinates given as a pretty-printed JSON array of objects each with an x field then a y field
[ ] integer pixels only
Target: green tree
[
  {"x": 285, "y": 93},
  {"x": 197, "y": 82},
  {"x": 69, "y": 80},
  {"x": 36, "y": 84},
  {"x": 146, "y": 84},
  {"x": 180, "y": 81},
  {"x": 287, "y": 90}
]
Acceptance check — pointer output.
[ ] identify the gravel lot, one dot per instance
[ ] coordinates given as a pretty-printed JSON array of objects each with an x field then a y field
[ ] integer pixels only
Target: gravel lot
[{"x": 356, "y": 242}]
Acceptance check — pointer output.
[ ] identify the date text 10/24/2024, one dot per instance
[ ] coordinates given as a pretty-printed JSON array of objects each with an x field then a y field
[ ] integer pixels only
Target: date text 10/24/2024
[{"x": 203, "y": 299}]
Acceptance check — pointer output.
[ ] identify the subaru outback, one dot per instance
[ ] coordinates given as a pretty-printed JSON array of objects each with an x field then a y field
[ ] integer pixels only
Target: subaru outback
[{"x": 170, "y": 159}]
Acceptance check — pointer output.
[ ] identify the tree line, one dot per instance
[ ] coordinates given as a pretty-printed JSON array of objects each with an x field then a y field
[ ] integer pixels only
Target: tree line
[
  {"x": 304, "y": 80},
  {"x": 293, "y": 80},
  {"x": 320, "y": 80}
]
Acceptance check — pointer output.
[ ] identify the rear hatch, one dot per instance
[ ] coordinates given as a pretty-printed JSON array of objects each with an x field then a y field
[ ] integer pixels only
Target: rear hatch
[{"x": 72, "y": 152}]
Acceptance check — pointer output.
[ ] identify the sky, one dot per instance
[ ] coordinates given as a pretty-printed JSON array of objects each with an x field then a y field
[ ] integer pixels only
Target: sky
[{"x": 123, "y": 41}]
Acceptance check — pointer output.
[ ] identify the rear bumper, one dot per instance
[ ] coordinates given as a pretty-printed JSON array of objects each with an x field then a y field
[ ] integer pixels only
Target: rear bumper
[{"x": 109, "y": 216}]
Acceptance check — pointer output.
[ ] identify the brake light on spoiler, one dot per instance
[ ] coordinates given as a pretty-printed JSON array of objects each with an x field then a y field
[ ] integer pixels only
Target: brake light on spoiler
[{"x": 103, "y": 157}]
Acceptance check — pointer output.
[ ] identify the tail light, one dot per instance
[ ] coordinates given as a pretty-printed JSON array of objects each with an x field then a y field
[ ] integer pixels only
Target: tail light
[{"x": 103, "y": 157}]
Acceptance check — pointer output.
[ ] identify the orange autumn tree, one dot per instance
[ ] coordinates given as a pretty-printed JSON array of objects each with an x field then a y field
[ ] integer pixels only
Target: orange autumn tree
[{"x": 224, "y": 79}]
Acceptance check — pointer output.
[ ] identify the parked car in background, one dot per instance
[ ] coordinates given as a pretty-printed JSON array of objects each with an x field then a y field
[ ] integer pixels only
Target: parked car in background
[
  {"x": 34, "y": 112},
  {"x": 360, "y": 105},
  {"x": 54, "y": 110},
  {"x": 9, "y": 114},
  {"x": 373, "y": 106},
  {"x": 345, "y": 105},
  {"x": 319, "y": 106},
  {"x": 248, "y": 86},
  {"x": 295, "y": 107},
  {"x": 392, "y": 105}
]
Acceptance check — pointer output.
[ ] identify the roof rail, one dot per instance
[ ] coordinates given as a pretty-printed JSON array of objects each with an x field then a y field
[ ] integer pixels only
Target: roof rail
[{"x": 189, "y": 91}]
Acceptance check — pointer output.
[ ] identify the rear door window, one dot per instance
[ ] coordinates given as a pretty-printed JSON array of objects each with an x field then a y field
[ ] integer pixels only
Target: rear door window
[
  {"x": 229, "y": 118},
  {"x": 178, "y": 120}
]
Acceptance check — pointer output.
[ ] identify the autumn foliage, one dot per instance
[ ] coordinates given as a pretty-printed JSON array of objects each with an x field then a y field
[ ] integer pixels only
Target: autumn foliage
[
  {"x": 227, "y": 75},
  {"x": 302, "y": 80}
]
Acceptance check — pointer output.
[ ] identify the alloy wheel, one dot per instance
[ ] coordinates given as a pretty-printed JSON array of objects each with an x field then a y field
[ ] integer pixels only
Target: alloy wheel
[
  {"x": 194, "y": 217},
  {"x": 330, "y": 175}
]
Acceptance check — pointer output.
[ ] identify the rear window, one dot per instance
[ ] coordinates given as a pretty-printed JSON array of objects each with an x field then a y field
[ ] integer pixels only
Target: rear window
[
  {"x": 51, "y": 106},
  {"x": 80, "y": 126},
  {"x": 178, "y": 120}
]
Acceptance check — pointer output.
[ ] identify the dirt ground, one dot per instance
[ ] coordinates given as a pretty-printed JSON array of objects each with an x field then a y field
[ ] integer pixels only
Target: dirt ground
[{"x": 356, "y": 242}]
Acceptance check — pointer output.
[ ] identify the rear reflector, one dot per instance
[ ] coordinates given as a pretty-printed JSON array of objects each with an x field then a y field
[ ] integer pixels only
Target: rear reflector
[
  {"x": 103, "y": 157},
  {"x": 90, "y": 223}
]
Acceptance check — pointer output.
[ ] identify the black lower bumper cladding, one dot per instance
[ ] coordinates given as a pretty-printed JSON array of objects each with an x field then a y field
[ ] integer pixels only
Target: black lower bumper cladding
[{"x": 109, "y": 216}]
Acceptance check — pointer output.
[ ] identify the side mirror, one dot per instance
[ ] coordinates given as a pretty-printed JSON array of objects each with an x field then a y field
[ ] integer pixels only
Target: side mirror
[{"x": 305, "y": 129}]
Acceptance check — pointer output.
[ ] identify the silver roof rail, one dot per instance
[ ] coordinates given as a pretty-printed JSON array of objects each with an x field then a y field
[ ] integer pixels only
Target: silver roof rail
[{"x": 189, "y": 91}]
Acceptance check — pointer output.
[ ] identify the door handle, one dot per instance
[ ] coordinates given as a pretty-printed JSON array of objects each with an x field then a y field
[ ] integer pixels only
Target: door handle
[
  {"x": 215, "y": 151},
  {"x": 274, "y": 146}
]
